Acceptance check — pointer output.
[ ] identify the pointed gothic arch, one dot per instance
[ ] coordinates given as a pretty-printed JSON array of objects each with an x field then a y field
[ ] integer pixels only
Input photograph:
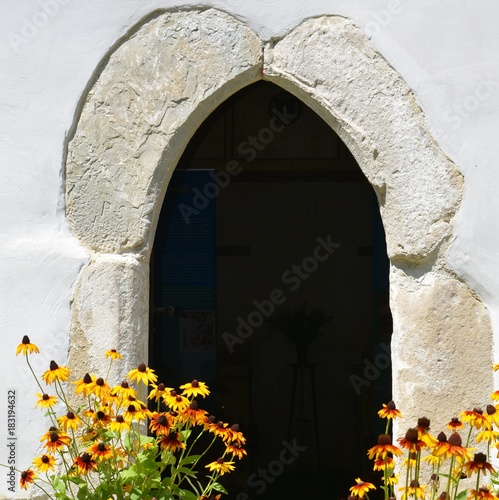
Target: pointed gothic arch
[{"x": 155, "y": 89}]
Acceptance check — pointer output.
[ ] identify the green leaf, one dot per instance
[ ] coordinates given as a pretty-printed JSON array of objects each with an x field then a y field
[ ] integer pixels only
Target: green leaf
[
  {"x": 218, "y": 487},
  {"x": 189, "y": 460},
  {"x": 462, "y": 495}
]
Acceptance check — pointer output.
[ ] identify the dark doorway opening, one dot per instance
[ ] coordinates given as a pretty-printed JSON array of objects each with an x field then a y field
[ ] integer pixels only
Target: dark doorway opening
[{"x": 269, "y": 280}]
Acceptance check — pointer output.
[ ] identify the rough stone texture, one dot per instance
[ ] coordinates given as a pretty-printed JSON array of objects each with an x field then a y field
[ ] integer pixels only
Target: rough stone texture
[
  {"x": 330, "y": 65},
  {"x": 441, "y": 350},
  {"x": 110, "y": 311},
  {"x": 140, "y": 112}
]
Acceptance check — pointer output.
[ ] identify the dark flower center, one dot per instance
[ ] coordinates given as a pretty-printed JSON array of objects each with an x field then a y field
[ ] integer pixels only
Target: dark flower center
[
  {"x": 101, "y": 447},
  {"x": 455, "y": 420},
  {"x": 195, "y": 383},
  {"x": 124, "y": 384},
  {"x": 391, "y": 406},
  {"x": 45, "y": 459},
  {"x": 120, "y": 419},
  {"x": 131, "y": 409},
  {"x": 70, "y": 415},
  {"x": 220, "y": 460},
  {"x": 480, "y": 458},
  {"x": 162, "y": 420},
  {"x": 478, "y": 410},
  {"x": 235, "y": 428},
  {"x": 173, "y": 394},
  {"x": 87, "y": 378},
  {"x": 86, "y": 458},
  {"x": 424, "y": 422},
  {"x": 178, "y": 399},
  {"x": 142, "y": 368},
  {"x": 100, "y": 381},
  {"x": 384, "y": 439},
  {"x": 26, "y": 340},
  {"x": 53, "y": 365},
  {"x": 491, "y": 409},
  {"x": 442, "y": 437},
  {"x": 45, "y": 397},
  {"x": 412, "y": 435},
  {"x": 54, "y": 437},
  {"x": 455, "y": 439},
  {"x": 161, "y": 387},
  {"x": 24, "y": 474},
  {"x": 194, "y": 405},
  {"x": 101, "y": 415}
]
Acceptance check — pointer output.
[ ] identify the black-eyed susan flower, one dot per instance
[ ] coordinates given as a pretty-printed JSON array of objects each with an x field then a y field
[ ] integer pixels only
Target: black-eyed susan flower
[
  {"x": 233, "y": 434},
  {"x": 100, "y": 388},
  {"x": 488, "y": 435},
  {"x": 55, "y": 440},
  {"x": 411, "y": 440},
  {"x": 455, "y": 424},
  {"x": 102, "y": 418},
  {"x": 383, "y": 448},
  {"x": 415, "y": 490},
  {"x": 83, "y": 385},
  {"x": 85, "y": 463},
  {"x": 389, "y": 411},
  {"x": 158, "y": 391},
  {"x": 483, "y": 493},
  {"x": 453, "y": 447},
  {"x": 119, "y": 424},
  {"x": 45, "y": 401},
  {"x": 194, "y": 389},
  {"x": 361, "y": 488},
  {"x": 171, "y": 441},
  {"x": 492, "y": 415},
  {"x": 478, "y": 464},
  {"x": 424, "y": 432},
  {"x": 217, "y": 428},
  {"x": 193, "y": 414},
  {"x": 221, "y": 466},
  {"x": 69, "y": 421},
  {"x": 236, "y": 450},
  {"x": 100, "y": 451},
  {"x": 55, "y": 372},
  {"x": 113, "y": 354},
  {"x": 176, "y": 401},
  {"x": 161, "y": 423},
  {"x": 142, "y": 374},
  {"x": 124, "y": 390},
  {"x": 44, "y": 463},
  {"x": 26, "y": 347},
  {"x": 475, "y": 418},
  {"x": 383, "y": 463},
  {"x": 132, "y": 413},
  {"x": 27, "y": 477}
]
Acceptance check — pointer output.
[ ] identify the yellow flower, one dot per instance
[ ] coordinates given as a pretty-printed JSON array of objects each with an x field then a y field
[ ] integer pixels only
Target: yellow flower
[
  {"x": 119, "y": 424},
  {"x": 487, "y": 435},
  {"x": 416, "y": 492},
  {"x": 100, "y": 451},
  {"x": 69, "y": 421},
  {"x": 221, "y": 466},
  {"x": 27, "y": 477},
  {"x": 142, "y": 374},
  {"x": 158, "y": 391},
  {"x": 171, "y": 442},
  {"x": 83, "y": 385},
  {"x": 124, "y": 390},
  {"x": 100, "y": 388},
  {"x": 113, "y": 354},
  {"x": 44, "y": 463},
  {"x": 194, "y": 389},
  {"x": 389, "y": 411},
  {"x": 361, "y": 488},
  {"x": 236, "y": 450},
  {"x": 26, "y": 347},
  {"x": 56, "y": 372},
  {"x": 479, "y": 463},
  {"x": 483, "y": 494},
  {"x": 85, "y": 463},
  {"x": 55, "y": 440},
  {"x": 383, "y": 447},
  {"x": 45, "y": 401},
  {"x": 176, "y": 402}
]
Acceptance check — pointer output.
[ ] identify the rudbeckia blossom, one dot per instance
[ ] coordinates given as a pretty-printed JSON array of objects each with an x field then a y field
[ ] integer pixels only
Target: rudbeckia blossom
[
  {"x": 158, "y": 391},
  {"x": 382, "y": 464},
  {"x": 492, "y": 415},
  {"x": 453, "y": 446},
  {"x": 234, "y": 434},
  {"x": 69, "y": 421},
  {"x": 171, "y": 442},
  {"x": 475, "y": 417},
  {"x": 195, "y": 389},
  {"x": 83, "y": 385},
  {"x": 45, "y": 401},
  {"x": 85, "y": 463},
  {"x": 56, "y": 372},
  {"x": 44, "y": 463},
  {"x": 119, "y": 424},
  {"x": 193, "y": 414},
  {"x": 161, "y": 423},
  {"x": 236, "y": 450},
  {"x": 176, "y": 401},
  {"x": 124, "y": 390},
  {"x": 221, "y": 466},
  {"x": 411, "y": 441},
  {"x": 389, "y": 411},
  {"x": 479, "y": 463},
  {"x": 383, "y": 447},
  {"x": 415, "y": 490},
  {"x": 113, "y": 354},
  {"x": 455, "y": 424},
  {"x": 361, "y": 488},
  {"x": 26, "y": 347},
  {"x": 27, "y": 477},
  {"x": 142, "y": 374},
  {"x": 483, "y": 493},
  {"x": 100, "y": 389},
  {"x": 56, "y": 440},
  {"x": 100, "y": 451}
]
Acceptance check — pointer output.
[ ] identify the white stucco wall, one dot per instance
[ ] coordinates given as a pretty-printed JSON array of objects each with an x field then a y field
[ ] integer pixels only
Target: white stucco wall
[{"x": 445, "y": 50}]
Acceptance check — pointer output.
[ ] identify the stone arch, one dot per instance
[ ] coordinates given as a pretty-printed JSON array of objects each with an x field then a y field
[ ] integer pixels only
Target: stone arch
[{"x": 155, "y": 90}]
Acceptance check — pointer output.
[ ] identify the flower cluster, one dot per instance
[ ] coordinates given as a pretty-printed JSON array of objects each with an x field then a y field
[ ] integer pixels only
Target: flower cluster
[
  {"x": 98, "y": 448},
  {"x": 445, "y": 457}
]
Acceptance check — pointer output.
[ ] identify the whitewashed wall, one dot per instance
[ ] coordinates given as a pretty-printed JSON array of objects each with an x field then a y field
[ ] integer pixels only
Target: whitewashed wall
[{"x": 446, "y": 50}]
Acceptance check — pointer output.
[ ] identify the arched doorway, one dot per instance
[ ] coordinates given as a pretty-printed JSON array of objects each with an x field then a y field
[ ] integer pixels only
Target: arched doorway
[
  {"x": 285, "y": 264},
  {"x": 152, "y": 92}
]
